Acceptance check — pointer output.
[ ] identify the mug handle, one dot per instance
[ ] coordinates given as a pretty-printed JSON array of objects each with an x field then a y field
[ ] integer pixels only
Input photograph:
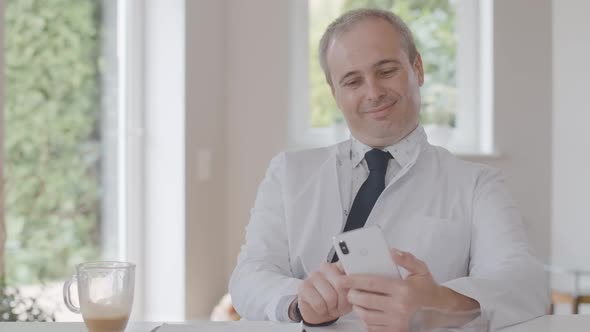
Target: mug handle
[{"x": 67, "y": 295}]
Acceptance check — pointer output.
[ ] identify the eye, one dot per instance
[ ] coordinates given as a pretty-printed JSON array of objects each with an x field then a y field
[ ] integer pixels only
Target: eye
[
  {"x": 352, "y": 83},
  {"x": 388, "y": 72}
]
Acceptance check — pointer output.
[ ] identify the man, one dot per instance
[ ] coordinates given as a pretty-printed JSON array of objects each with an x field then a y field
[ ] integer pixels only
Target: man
[{"x": 459, "y": 238}]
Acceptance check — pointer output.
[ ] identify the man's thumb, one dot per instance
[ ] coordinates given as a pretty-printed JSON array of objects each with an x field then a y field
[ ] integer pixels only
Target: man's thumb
[{"x": 409, "y": 262}]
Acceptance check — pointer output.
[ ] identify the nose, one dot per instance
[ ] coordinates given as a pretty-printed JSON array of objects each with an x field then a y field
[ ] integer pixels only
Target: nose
[{"x": 375, "y": 91}]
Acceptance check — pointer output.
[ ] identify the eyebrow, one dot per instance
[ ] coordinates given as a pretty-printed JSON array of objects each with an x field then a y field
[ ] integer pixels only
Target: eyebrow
[{"x": 380, "y": 63}]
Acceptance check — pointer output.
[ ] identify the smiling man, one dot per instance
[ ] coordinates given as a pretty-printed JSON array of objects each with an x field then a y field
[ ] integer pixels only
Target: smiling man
[
  {"x": 375, "y": 76},
  {"x": 456, "y": 232}
]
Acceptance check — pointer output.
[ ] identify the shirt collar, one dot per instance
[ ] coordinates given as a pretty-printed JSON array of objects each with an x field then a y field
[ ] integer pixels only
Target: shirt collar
[{"x": 401, "y": 151}]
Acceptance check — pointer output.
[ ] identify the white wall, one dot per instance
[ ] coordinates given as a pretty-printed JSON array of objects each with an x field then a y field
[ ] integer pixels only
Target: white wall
[
  {"x": 244, "y": 46},
  {"x": 571, "y": 145},
  {"x": 522, "y": 109},
  {"x": 237, "y": 101},
  {"x": 206, "y": 155},
  {"x": 258, "y": 103}
]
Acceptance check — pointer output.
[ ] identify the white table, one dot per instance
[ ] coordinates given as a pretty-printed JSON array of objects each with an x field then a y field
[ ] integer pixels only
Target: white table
[
  {"x": 66, "y": 327},
  {"x": 553, "y": 323},
  {"x": 556, "y": 323}
]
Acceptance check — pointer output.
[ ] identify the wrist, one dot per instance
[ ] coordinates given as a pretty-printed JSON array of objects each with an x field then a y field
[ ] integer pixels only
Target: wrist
[
  {"x": 448, "y": 299},
  {"x": 440, "y": 300},
  {"x": 294, "y": 314}
]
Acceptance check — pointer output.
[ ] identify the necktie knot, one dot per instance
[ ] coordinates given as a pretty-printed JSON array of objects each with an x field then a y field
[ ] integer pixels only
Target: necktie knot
[{"x": 377, "y": 160}]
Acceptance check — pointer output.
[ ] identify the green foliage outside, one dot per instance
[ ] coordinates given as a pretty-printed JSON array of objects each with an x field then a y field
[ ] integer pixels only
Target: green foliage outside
[
  {"x": 433, "y": 25},
  {"x": 16, "y": 307},
  {"x": 52, "y": 137}
]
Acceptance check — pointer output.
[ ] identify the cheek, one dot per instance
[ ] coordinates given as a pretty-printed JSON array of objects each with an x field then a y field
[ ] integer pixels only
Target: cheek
[
  {"x": 348, "y": 103},
  {"x": 401, "y": 84},
  {"x": 401, "y": 88}
]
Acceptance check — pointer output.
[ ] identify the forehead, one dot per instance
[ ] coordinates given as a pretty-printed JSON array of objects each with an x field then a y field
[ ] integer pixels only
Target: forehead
[{"x": 364, "y": 44}]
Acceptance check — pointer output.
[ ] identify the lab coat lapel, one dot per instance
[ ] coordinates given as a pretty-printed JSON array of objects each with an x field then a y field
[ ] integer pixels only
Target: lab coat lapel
[
  {"x": 379, "y": 214},
  {"x": 334, "y": 193}
]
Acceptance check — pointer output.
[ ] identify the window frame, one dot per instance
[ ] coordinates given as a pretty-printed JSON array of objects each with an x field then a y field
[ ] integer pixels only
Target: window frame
[
  {"x": 3, "y": 232},
  {"x": 131, "y": 143},
  {"x": 130, "y": 140},
  {"x": 474, "y": 83},
  {"x": 150, "y": 152}
]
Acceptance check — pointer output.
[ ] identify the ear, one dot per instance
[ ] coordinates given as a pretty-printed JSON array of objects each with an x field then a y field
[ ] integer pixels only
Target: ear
[{"x": 419, "y": 69}]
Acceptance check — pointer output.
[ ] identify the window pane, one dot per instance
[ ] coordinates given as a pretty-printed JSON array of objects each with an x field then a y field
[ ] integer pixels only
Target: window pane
[
  {"x": 60, "y": 141},
  {"x": 433, "y": 25}
]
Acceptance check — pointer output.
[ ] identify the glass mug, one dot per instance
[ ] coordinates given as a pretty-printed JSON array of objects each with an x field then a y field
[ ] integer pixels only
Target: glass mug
[{"x": 105, "y": 294}]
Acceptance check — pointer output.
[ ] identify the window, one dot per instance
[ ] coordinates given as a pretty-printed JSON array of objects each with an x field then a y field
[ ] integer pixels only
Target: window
[
  {"x": 70, "y": 124},
  {"x": 453, "y": 38}
]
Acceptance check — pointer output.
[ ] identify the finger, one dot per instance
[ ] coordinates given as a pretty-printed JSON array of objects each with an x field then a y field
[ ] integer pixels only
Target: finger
[
  {"x": 368, "y": 300},
  {"x": 340, "y": 268},
  {"x": 332, "y": 270},
  {"x": 333, "y": 275},
  {"x": 370, "y": 283},
  {"x": 412, "y": 264},
  {"x": 371, "y": 317},
  {"x": 310, "y": 296},
  {"x": 328, "y": 294}
]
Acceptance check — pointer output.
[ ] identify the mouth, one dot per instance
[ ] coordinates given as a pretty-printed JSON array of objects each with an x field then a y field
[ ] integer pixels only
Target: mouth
[{"x": 380, "y": 112}]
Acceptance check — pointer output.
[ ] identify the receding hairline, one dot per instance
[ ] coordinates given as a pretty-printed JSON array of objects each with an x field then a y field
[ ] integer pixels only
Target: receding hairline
[{"x": 347, "y": 21}]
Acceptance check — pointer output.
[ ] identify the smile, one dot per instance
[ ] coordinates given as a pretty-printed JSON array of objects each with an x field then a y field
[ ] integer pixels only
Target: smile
[{"x": 377, "y": 113}]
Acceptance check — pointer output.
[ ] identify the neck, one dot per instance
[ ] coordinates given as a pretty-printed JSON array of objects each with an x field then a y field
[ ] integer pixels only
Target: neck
[{"x": 383, "y": 142}]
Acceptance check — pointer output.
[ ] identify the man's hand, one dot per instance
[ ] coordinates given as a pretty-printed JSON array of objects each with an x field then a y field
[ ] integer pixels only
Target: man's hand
[
  {"x": 320, "y": 298},
  {"x": 386, "y": 304}
]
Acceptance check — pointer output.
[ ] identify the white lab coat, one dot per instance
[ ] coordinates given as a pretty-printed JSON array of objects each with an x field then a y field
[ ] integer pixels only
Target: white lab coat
[{"x": 454, "y": 215}]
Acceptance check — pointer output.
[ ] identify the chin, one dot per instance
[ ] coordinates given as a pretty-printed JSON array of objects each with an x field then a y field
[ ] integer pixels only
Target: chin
[
  {"x": 374, "y": 141},
  {"x": 385, "y": 131},
  {"x": 378, "y": 136}
]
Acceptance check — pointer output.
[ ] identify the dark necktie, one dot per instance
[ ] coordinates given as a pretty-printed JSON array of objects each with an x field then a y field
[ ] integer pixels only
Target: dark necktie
[{"x": 369, "y": 192}]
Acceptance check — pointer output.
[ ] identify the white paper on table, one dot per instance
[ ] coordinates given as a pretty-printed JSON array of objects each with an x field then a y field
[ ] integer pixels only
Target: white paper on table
[
  {"x": 342, "y": 325},
  {"x": 238, "y": 326}
]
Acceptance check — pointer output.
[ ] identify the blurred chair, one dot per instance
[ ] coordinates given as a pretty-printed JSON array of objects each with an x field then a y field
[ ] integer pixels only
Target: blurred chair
[
  {"x": 224, "y": 310},
  {"x": 574, "y": 296}
]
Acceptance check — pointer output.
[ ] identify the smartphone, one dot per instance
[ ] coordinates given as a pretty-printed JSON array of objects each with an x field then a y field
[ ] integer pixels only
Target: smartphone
[{"x": 365, "y": 251}]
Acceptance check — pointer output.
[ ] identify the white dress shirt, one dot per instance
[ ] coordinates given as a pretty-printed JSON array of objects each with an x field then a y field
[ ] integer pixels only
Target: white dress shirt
[
  {"x": 401, "y": 153},
  {"x": 454, "y": 215}
]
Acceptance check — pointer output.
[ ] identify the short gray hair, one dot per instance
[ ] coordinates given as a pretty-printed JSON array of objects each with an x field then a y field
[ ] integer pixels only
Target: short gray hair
[{"x": 347, "y": 20}]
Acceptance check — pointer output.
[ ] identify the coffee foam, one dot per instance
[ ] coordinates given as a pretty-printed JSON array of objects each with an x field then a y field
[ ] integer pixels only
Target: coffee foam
[{"x": 104, "y": 311}]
